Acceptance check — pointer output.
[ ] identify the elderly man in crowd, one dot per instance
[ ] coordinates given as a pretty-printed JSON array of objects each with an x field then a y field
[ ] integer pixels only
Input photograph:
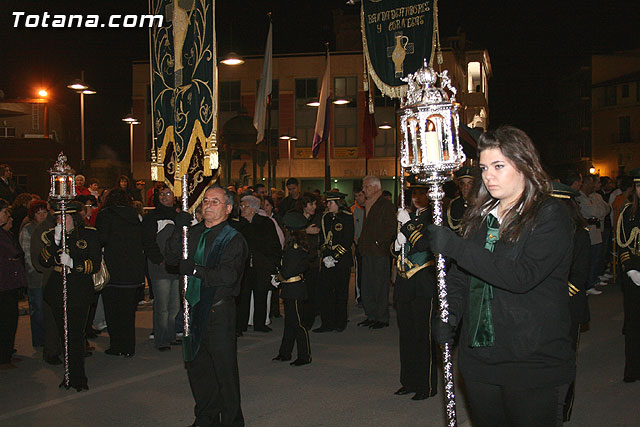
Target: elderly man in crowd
[
  {"x": 378, "y": 232},
  {"x": 264, "y": 258}
]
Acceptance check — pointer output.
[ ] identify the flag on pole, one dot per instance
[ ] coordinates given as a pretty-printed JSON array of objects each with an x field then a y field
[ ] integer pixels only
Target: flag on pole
[
  {"x": 264, "y": 90},
  {"x": 369, "y": 132},
  {"x": 321, "y": 132},
  {"x": 184, "y": 92}
]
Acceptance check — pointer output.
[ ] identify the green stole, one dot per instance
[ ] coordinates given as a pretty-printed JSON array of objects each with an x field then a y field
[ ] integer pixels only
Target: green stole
[
  {"x": 201, "y": 298},
  {"x": 481, "y": 332}
]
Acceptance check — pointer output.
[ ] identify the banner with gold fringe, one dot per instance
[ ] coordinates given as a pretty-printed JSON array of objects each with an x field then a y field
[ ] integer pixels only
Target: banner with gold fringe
[
  {"x": 184, "y": 92},
  {"x": 397, "y": 35}
]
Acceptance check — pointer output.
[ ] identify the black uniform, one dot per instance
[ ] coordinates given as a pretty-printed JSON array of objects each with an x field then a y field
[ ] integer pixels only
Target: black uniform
[
  {"x": 84, "y": 248},
  {"x": 455, "y": 212},
  {"x": 213, "y": 373},
  {"x": 295, "y": 262},
  {"x": 333, "y": 295},
  {"x": 531, "y": 359},
  {"x": 312, "y": 276},
  {"x": 416, "y": 302},
  {"x": 629, "y": 243}
]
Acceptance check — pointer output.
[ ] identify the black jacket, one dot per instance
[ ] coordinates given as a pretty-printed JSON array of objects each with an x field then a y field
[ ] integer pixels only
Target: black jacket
[
  {"x": 120, "y": 233},
  {"x": 337, "y": 237},
  {"x": 227, "y": 275},
  {"x": 530, "y": 305},
  {"x": 154, "y": 241},
  {"x": 295, "y": 262},
  {"x": 84, "y": 248},
  {"x": 264, "y": 245}
]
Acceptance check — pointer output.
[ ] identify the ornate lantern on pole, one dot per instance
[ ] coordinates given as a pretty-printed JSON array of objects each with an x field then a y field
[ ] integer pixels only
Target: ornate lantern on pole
[
  {"x": 431, "y": 151},
  {"x": 63, "y": 190}
]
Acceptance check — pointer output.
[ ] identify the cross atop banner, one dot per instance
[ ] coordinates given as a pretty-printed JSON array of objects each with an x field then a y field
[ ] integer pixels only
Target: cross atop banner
[{"x": 397, "y": 35}]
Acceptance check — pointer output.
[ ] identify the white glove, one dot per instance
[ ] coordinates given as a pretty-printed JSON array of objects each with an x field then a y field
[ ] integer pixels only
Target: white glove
[
  {"x": 403, "y": 216},
  {"x": 274, "y": 280},
  {"x": 329, "y": 261},
  {"x": 635, "y": 276},
  {"x": 65, "y": 259},
  {"x": 57, "y": 233},
  {"x": 400, "y": 240}
]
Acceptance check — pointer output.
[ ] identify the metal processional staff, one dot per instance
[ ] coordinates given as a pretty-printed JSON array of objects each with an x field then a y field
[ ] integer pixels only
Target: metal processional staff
[{"x": 431, "y": 151}]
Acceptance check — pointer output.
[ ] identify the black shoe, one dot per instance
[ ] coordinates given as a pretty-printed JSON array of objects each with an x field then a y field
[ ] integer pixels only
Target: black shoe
[
  {"x": 379, "y": 325},
  {"x": 238, "y": 334},
  {"x": 262, "y": 329},
  {"x": 340, "y": 329},
  {"x": 113, "y": 352},
  {"x": 300, "y": 362},
  {"x": 176, "y": 342},
  {"x": 629, "y": 379},
  {"x": 420, "y": 396},
  {"x": 402, "y": 391},
  {"x": 281, "y": 358},
  {"x": 164, "y": 348},
  {"x": 128, "y": 355},
  {"x": 366, "y": 322},
  {"x": 322, "y": 329},
  {"x": 96, "y": 331},
  {"x": 53, "y": 360},
  {"x": 277, "y": 315},
  {"x": 88, "y": 353},
  {"x": 92, "y": 334}
]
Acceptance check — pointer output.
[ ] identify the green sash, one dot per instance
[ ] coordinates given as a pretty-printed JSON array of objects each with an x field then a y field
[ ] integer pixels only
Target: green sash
[
  {"x": 481, "y": 332},
  {"x": 193, "y": 286}
]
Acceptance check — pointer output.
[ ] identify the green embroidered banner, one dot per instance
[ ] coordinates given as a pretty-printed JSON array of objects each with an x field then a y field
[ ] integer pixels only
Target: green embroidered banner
[
  {"x": 397, "y": 36},
  {"x": 184, "y": 91}
]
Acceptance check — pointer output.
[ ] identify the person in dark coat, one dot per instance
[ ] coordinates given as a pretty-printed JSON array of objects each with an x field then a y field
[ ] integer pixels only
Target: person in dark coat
[
  {"x": 415, "y": 297},
  {"x": 264, "y": 256},
  {"x": 508, "y": 288},
  {"x": 215, "y": 266},
  {"x": 337, "y": 259},
  {"x": 307, "y": 205},
  {"x": 12, "y": 279},
  {"x": 578, "y": 275},
  {"x": 120, "y": 232},
  {"x": 628, "y": 230},
  {"x": 9, "y": 190},
  {"x": 295, "y": 261},
  {"x": 81, "y": 256}
]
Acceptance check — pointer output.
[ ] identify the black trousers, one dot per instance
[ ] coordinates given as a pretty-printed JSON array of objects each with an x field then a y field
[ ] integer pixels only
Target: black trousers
[
  {"x": 76, "y": 321},
  {"x": 294, "y": 331},
  {"x": 632, "y": 331},
  {"x": 310, "y": 304},
  {"x": 120, "y": 305},
  {"x": 568, "y": 400},
  {"x": 213, "y": 374},
  {"x": 506, "y": 406},
  {"x": 257, "y": 282},
  {"x": 333, "y": 295},
  {"x": 8, "y": 323},
  {"x": 418, "y": 368},
  {"x": 52, "y": 347}
]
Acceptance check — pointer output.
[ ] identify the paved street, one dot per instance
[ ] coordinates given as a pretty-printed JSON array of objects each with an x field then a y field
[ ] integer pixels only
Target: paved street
[{"x": 350, "y": 382}]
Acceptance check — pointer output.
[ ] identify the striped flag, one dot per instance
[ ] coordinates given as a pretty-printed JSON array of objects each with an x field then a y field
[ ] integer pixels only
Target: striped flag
[
  {"x": 321, "y": 133},
  {"x": 264, "y": 90}
]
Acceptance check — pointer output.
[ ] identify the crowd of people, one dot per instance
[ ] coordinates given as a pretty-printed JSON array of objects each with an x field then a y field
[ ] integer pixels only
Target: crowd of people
[{"x": 523, "y": 252}]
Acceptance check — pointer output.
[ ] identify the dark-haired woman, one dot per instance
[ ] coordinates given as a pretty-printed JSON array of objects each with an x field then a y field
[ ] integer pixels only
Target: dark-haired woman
[
  {"x": 295, "y": 260},
  {"x": 629, "y": 242},
  {"x": 81, "y": 259},
  {"x": 508, "y": 288},
  {"x": 307, "y": 205},
  {"x": 12, "y": 278},
  {"x": 120, "y": 232},
  {"x": 335, "y": 268}
]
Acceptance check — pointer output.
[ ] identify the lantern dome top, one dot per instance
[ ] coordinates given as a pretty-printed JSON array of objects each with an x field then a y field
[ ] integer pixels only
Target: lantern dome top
[
  {"x": 423, "y": 90},
  {"x": 60, "y": 167}
]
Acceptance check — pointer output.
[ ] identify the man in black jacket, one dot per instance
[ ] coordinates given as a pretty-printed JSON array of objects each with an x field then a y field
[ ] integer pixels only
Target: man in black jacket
[
  {"x": 264, "y": 257},
  {"x": 215, "y": 265}
]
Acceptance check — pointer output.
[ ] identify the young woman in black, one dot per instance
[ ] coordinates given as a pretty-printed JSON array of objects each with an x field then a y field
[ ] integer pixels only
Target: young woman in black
[{"x": 508, "y": 288}]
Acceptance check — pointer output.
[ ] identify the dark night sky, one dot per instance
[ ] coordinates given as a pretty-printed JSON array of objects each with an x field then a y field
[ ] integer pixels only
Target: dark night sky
[{"x": 530, "y": 44}]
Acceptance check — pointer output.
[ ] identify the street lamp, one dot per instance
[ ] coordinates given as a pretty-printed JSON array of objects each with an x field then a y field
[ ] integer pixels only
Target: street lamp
[
  {"x": 232, "y": 58},
  {"x": 83, "y": 89},
  {"x": 43, "y": 94},
  {"x": 131, "y": 121}
]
